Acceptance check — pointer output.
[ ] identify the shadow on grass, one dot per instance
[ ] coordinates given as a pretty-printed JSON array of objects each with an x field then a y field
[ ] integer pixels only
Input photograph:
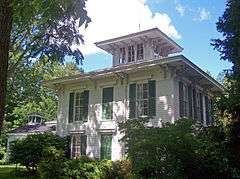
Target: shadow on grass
[{"x": 11, "y": 172}]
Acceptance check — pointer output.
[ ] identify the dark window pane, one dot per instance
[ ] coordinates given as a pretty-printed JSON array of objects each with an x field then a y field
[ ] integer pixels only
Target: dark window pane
[
  {"x": 107, "y": 101},
  {"x": 106, "y": 146},
  {"x": 70, "y": 109},
  {"x": 132, "y": 100},
  {"x": 83, "y": 144},
  {"x": 181, "y": 102},
  {"x": 152, "y": 97}
]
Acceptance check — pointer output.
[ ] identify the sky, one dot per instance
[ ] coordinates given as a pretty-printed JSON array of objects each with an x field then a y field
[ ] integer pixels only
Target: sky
[{"x": 191, "y": 23}]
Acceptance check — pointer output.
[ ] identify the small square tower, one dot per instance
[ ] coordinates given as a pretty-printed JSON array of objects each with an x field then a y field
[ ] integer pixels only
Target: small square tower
[{"x": 141, "y": 46}]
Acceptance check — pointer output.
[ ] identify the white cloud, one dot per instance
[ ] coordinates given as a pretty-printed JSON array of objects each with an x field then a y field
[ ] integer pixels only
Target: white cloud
[
  {"x": 180, "y": 8},
  {"x": 113, "y": 18},
  {"x": 203, "y": 15}
]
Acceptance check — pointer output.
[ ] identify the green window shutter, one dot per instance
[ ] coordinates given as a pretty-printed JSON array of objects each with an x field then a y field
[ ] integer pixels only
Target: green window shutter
[
  {"x": 132, "y": 101},
  {"x": 71, "y": 106},
  {"x": 194, "y": 104},
  {"x": 181, "y": 105},
  {"x": 106, "y": 147},
  {"x": 207, "y": 110},
  {"x": 107, "y": 99},
  {"x": 190, "y": 94},
  {"x": 211, "y": 107},
  {"x": 152, "y": 98},
  {"x": 83, "y": 147},
  {"x": 84, "y": 102},
  {"x": 201, "y": 107}
]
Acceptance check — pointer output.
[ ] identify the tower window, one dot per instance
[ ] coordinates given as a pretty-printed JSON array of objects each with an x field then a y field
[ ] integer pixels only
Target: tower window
[
  {"x": 131, "y": 57},
  {"x": 122, "y": 58},
  {"x": 140, "y": 52}
]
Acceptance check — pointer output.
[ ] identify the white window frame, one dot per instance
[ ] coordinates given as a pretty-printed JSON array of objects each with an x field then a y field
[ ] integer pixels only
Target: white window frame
[
  {"x": 73, "y": 146},
  {"x": 142, "y": 103},
  {"x": 74, "y": 108}
]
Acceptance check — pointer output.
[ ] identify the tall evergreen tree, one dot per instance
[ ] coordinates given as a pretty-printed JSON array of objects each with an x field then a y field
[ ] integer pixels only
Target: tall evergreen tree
[
  {"x": 229, "y": 47},
  {"x": 229, "y": 104}
]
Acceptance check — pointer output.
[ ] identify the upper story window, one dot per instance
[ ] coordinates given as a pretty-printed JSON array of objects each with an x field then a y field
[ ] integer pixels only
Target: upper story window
[
  {"x": 139, "y": 51},
  {"x": 183, "y": 100},
  {"x": 131, "y": 54},
  {"x": 107, "y": 103},
  {"x": 142, "y": 99},
  {"x": 78, "y": 106},
  {"x": 122, "y": 58}
]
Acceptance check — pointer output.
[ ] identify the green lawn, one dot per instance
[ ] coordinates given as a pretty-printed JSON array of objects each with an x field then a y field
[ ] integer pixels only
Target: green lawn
[{"x": 9, "y": 172}]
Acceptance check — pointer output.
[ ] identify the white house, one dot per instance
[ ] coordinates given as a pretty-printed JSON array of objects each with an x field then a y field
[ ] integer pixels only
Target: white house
[{"x": 148, "y": 77}]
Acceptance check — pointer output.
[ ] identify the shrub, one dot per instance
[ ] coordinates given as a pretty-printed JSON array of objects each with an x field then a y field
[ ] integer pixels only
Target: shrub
[
  {"x": 52, "y": 163},
  {"x": 29, "y": 151},
  {"x": 106, "y": 169},
  {"x": 82, "y": 167},
  {"x": 180, "y": 150}
]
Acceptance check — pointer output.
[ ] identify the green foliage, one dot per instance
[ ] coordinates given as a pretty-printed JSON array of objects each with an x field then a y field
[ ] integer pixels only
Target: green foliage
[
  {"x": 11, "y": 172},
  {"x": 229, "y": 26},
  {"x": 27, "y": 95},
  {"x": 180, "y": 150},
  {"x": 30, "y": 151},
  {"x": 229, "y": 104},
  {"x": 82, "y": 168},
  {"x": 52, "y": 163},
  {"x": 48, "y": 29}
]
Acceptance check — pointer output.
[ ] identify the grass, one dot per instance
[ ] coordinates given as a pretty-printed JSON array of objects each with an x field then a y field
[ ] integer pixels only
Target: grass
[{"x": 10, "y": 172}]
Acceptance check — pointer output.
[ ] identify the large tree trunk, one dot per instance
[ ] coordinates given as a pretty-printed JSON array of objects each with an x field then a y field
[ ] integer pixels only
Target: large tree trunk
[{"x": 5, "y": 31}]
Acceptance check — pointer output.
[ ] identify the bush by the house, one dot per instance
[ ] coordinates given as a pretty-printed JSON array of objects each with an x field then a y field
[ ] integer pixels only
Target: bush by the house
[
  {"x": 179, "y": 150},
  {"x": 29, "y": 151},
  {"x": 52, "y": 163}
]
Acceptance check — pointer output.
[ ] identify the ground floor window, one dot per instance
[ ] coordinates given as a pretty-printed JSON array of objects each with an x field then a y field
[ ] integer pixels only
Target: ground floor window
[
  {"x": 106, "y": 146},
  {"x": 79, "y": 145}
]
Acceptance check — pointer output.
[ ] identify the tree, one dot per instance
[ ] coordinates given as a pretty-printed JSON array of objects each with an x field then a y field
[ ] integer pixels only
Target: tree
[
  {"x": 184, "y": 149},
  {"x": 30, "y": 150},
  {"x": 26, "y": 94},
  {"x": 46, "y": 29},
  {"x": 229, "y": 48}
]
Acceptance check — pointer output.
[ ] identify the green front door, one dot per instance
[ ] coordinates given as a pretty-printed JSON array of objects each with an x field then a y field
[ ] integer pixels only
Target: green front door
[{"x": 106, "y": 146}]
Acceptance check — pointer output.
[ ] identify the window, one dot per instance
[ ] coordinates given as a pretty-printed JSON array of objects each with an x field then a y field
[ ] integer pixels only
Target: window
[
  {"x": 122, "y": 58},
  {"x": 190, "y": 101},
  {"x": 35, "y": 118},
  {"x": 79, "y": 145},
  {"x": 142, "y": 99},
  {"x": 199, "y": 107},
  {"x": 81, "y": 109},
  {"x": 183, "y": 100},
  {"x": 106, "y": 146},
  {"x": 107, "y": 103},
  {"x": 139, "y": 52},
  {"x": 131, "y": 54},
  {"x": 209, "y": 110},
  {"x": 78, "y": 106}
]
